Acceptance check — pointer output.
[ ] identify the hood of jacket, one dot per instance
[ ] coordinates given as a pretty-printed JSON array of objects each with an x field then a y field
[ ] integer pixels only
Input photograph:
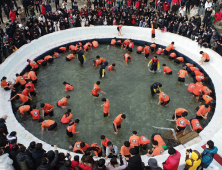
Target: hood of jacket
[
  {"x": 195, "y": 155},
  {"x": 3, "y": 157},
  {"x": 21, "y": 156},
  {"x": 212, "y": 151}
]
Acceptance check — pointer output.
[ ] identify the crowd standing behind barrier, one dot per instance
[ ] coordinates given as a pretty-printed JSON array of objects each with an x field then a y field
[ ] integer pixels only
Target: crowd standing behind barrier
[{"x": 35, "y": 18}]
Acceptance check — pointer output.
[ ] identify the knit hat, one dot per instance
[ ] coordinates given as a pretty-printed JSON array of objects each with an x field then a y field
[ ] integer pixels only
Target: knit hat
[{"x": 152, "y": 163}]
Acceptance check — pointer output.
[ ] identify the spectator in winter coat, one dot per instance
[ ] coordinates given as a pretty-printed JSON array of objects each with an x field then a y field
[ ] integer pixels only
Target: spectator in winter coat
[
  {"x": 12, "y": 14},
  {"x": 52, "y": 157},
  {"x": 173, "y": 160},
  {"x": 5, "y": 161},
  {"x": 166, "y": 6},
  {"x": 43, "y": 9},
  {"x": 3, "y": 125},
  {"x": 37, "y": 154},
  {"x": 208, "y": 155},
  {"x": 24, "y": 160},
  {"x": 135, "y": 161},
  {"x": 48, "y": 8},
  {"x": 153, "y": 164}
]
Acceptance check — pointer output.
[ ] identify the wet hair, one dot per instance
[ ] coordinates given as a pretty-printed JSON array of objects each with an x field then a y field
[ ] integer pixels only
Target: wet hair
[
  {"x": 32, "y": 144},
  {"x": 98, "y": 82},
  {"x": 41, "y": 120},
  {"x": 64, "y": 82},
  {"x": 171, "y": 151},
  {"x": 67, "y": 96},
  {"x": 44, "y": 161},
  {"x": 103, "y": 99},
  {"x": 42, "y": 105},
  {"x": 123, "y": 116},
  {"x": 144, "y": 147},
  {"x": 17, "y": 74},
  {"x": 127, "y": 144},
  {"x": 206, "y": 105},
  {"x": 113, "y": 162},
  {"x": 184, "y": 114},
  {"x": 97, "y": 56},
  {"x": 101, "y": 163},
  {"x": 155, "y": 56},
  {"x": 172, "y": 43},
  {"x": 164, "y": 65},
  {"x": 76, "y": 158},
  {"x": 22, "y": 148},
  {"x": 67, "y": 163},
  {"x": 210, "y": 144},
  {"x": 77, "y": 121},
  {"x": 67, "y": 114},
  {"x": 199, "y": 130},
  {"x": 102, "y": 137},
  {"x": 113, "y": 64},
  {"x": 134, "y": 132},
  {"x": 82, "y": 144},
  {"x": 201, "y": 52},
  {"x": 155, "y": 143}
]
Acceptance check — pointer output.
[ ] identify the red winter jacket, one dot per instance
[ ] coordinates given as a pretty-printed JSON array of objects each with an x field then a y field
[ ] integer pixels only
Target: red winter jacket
[
  {"x": 137, "y": 5},
  {"x": 129, "y": 2},
  {"x": 85, "y": 167},
  {"x": 12, "y": 15},
  {"x": 100, "y": 13},
  {"x": 43, "y": 10},
  {"x": 172, "y": 162},
  {"x": 166, "y": 7}
]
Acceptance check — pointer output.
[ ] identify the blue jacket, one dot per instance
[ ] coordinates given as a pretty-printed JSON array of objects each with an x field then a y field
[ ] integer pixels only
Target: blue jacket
[
  {"x": 48, "y": 8},
  {"x": 207, "y": 159}
]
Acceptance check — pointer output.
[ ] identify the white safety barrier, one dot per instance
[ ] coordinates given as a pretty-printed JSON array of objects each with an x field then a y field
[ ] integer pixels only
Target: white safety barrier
[{"x": 16, "y": 62}]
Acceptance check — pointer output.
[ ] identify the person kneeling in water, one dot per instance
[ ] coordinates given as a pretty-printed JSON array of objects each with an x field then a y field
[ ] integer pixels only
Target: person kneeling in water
[{"x": 71, "y": 129}]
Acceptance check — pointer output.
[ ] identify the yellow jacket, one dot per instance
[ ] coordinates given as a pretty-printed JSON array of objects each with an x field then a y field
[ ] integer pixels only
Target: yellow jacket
[{"x": 194, "y": 161}]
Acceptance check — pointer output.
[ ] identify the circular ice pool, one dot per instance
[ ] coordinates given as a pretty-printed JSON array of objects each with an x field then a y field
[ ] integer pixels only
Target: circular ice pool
[{"x": 127, "y": 88}]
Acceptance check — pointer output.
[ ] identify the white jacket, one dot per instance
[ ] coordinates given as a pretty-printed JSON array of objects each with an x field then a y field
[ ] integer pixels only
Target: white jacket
[
  {"x": 194, "y": 11},
  {"x": 41, "y": 18},
  {"x": 6, "y": 162},
  {"x": 83, "y": 21},
  {"x": 208, "y": 4},
  {"x": 56, "y": 26},
  {"x": 182, "y": 11}
]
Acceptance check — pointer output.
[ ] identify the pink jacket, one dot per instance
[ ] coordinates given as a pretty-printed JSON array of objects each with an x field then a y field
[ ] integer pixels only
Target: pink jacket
[
  {"x": 12, "y": 15},
  {"x": 172, "y": 162}
]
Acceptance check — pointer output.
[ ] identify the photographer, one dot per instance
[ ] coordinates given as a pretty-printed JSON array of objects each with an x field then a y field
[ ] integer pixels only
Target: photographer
[
  {"x": 194, "y": 161},
  {"x": 111, "y": 150}
]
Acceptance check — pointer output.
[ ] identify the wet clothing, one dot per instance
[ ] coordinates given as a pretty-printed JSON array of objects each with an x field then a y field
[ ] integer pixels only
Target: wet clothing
[{"x": 154, "y": 88}]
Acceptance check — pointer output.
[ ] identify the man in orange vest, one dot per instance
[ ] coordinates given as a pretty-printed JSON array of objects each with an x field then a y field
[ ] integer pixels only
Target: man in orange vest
[
  {"x": 135, "y": 141},
  {"x": 196, "y": 125},
  {"x": 205, "y": 57}
]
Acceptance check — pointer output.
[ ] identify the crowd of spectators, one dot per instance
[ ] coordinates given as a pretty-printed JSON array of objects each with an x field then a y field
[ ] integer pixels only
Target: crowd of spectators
[
  {"x": 14, "y": 155},
  {"x": 35, "y": 18}
]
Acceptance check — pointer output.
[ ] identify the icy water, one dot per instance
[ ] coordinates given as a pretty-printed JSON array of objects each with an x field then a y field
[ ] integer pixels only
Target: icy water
[{"x": 127, "y": 88}]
